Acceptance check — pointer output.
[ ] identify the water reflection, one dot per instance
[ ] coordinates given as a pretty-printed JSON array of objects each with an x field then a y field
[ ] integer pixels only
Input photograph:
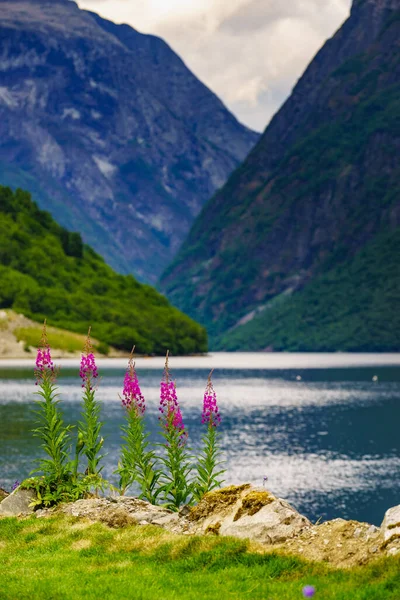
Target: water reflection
[{"x": 328, "y": 442}]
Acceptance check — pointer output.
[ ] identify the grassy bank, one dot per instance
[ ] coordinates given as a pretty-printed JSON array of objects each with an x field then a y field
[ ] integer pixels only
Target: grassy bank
[
  {"x": 63, "y": 558},
  {"x": 58, "y": 339}
]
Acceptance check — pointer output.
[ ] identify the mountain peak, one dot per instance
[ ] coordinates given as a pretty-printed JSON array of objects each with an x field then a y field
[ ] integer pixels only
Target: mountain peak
[
  {"x": 113, "y": 131},
  {"x": 378, "y": 5},
  {"x": 294, "y": 251}
]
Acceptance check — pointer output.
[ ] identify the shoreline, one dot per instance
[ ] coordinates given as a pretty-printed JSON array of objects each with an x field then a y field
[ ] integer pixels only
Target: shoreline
[{"x": 229, "y": 361}]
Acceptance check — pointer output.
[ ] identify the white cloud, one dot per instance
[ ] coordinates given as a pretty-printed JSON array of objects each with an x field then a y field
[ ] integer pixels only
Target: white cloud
[{"x": 250, "y": 52}]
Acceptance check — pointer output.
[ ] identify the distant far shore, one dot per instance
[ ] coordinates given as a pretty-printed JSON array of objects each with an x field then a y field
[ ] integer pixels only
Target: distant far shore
[{"x": 231, "y": 361}]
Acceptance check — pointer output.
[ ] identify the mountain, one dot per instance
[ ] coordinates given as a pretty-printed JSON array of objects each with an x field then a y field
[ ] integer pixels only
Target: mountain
[
  {"x": 300, "y": 249},
  {"x": 47, "y": 272},
  {"x": 110, "y": 131}
]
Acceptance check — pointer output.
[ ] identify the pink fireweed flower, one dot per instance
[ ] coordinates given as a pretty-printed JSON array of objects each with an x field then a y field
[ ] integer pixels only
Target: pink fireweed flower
[
  {"x": 169, "y": 406},
  {"x": 210, "y": 413},
  {"x": 168, "y": 397},
  {"x": 44, "y": 363},
  {"x": 88, "y": 368},
  {"x": 178, "y": 420},
  {"x": 132, "y": 397}
]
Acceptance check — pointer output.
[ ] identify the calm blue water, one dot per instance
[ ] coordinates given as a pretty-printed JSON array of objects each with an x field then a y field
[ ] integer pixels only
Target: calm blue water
[{"x": 325, "y": 434}]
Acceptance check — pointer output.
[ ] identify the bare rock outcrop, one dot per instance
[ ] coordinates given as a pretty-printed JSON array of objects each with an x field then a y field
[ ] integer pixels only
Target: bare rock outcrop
[
  {"x": 391, "y": 530},
  {"x": 338, "y": 542},
  {"x": 17, "y": 503},
  {"x": 123, "y": 511},
  {"x": 247, "y": 512}
]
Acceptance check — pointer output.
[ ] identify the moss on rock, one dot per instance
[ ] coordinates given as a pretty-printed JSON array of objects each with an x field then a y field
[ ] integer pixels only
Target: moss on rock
[
  {"x": 253, "y": 502},
  {"x": 220, "y": 499}
]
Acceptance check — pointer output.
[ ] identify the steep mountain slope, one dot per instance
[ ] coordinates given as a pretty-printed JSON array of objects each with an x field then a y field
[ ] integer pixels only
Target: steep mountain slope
[
  {"x": 47, "y": 272},
  {"x": 321, "y": 186},
  {"x": 110, "y": 131}
]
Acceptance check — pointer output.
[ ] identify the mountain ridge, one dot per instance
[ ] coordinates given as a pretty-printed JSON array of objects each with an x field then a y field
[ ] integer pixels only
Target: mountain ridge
[
  {"x": 320, "y": 184},
  {"x": 110, "y": 131}
]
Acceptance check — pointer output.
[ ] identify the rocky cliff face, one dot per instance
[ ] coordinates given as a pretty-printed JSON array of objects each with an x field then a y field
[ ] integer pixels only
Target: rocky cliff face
[
  {"x": 313, "y": 211},
  {"x": 110, "y": 131}
]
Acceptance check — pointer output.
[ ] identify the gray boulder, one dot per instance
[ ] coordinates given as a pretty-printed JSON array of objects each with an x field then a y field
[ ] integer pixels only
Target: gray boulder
[
  {"x": 391, "y": 525},
  {"x": 17, "y": 503},
  {"x": 248, "y": 512}
]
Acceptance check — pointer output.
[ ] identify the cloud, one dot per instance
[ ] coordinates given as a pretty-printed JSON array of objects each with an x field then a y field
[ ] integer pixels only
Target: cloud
[{"x": 249, "y": 52}]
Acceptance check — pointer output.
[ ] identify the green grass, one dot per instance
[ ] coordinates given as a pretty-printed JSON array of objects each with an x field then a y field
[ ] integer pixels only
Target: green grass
[
  {"x": 58, "y": 339},
  {"x": 62, "y": 558}
]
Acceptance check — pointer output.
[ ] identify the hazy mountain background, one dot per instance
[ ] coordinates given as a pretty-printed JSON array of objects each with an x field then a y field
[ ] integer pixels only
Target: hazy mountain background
[
  {"x": 300, "y": 249},
  {"x": 109, "y": 131}
]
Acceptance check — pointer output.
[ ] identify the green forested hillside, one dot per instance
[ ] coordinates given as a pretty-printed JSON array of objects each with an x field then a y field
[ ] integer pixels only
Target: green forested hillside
[
  {"x": 354, "y": 307},
  {"x": 47, "y": 272}
]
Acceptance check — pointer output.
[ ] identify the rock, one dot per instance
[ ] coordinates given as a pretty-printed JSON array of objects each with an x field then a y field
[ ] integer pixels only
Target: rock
[
  {"x": 17, "y": 503},
  {"x": 116, "y": 517},
  {"x": 391, "y": 524},
  {"x": 338, "y": 542},
  {"x": 124, "y": 511},
  {"x": 166, "y": 520},
  {"x": 247, "y": 512}
]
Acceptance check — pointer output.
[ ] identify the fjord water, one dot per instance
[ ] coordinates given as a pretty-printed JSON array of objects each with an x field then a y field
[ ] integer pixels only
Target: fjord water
[{"x": 324, "y": 432}]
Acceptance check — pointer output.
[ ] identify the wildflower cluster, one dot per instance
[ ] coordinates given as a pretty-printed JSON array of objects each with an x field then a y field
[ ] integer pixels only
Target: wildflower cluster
[
  {"x": 61, "y": 479},
  {"x": 174, "y": 477},
  {"x": 171, "y": 477}
]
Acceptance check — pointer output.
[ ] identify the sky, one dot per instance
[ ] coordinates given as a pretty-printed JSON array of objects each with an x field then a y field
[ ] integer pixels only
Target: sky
[{"x": 249, "y": 52}]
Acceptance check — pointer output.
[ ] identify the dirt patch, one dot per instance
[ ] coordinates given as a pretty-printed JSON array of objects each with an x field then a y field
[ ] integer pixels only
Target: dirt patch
[
  {"x": 116, "y": 518},
  {"x": 340, "y": 543},
  {"x": 253, "y": 502},
  {"x": 3, "y": 494},
  {"x": 217, "y": 501}
]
